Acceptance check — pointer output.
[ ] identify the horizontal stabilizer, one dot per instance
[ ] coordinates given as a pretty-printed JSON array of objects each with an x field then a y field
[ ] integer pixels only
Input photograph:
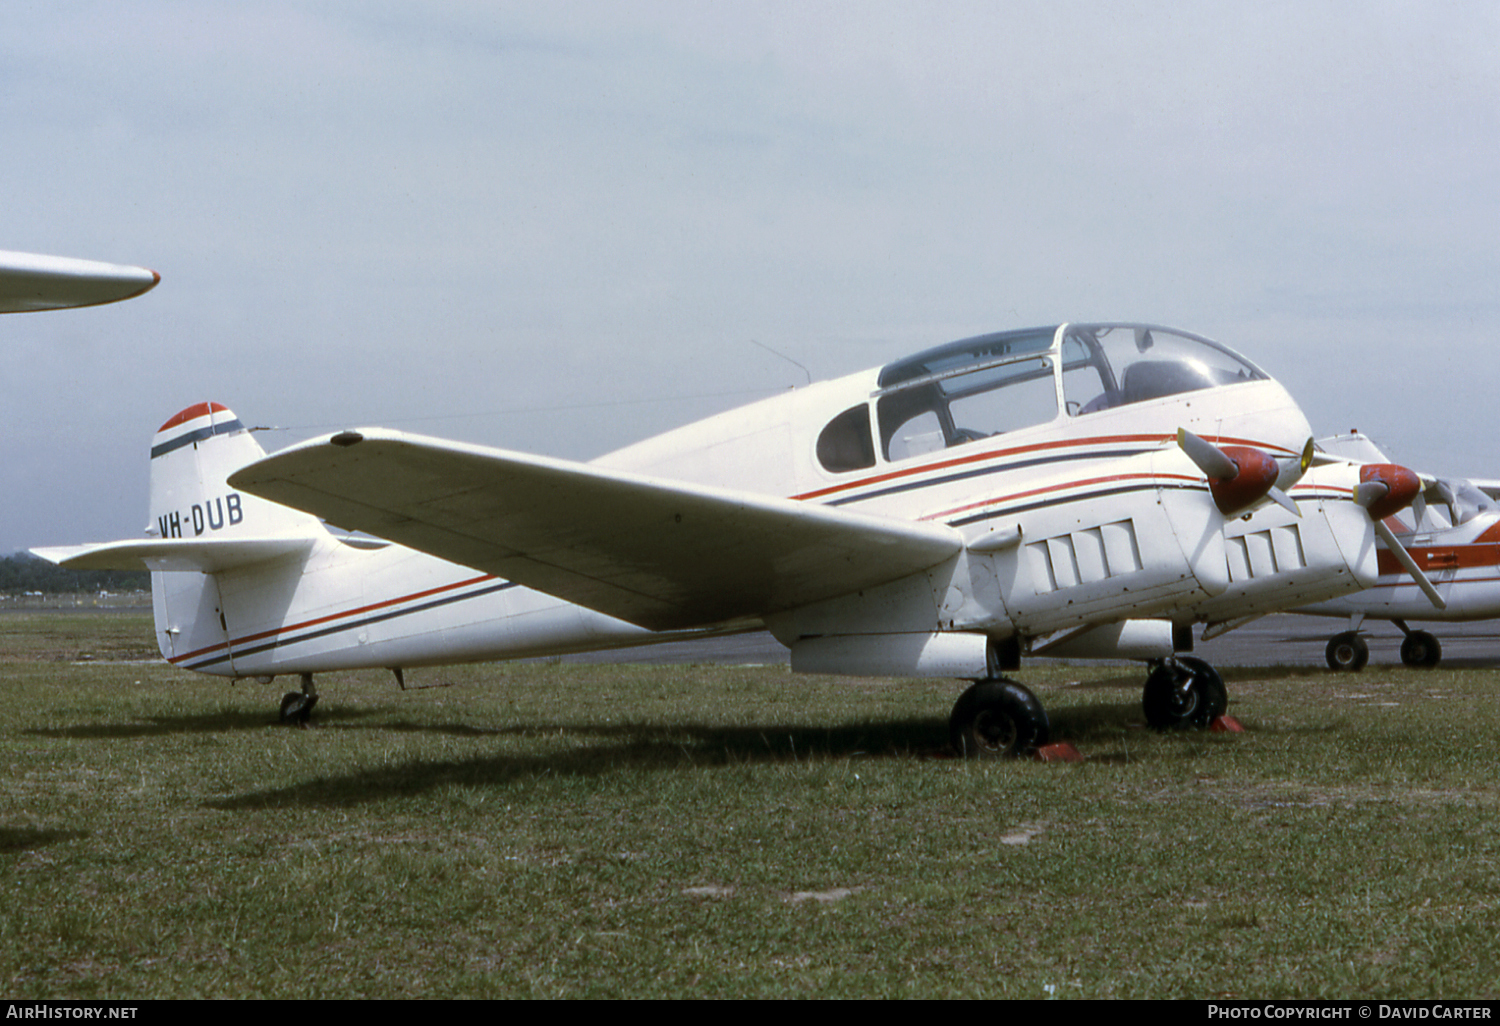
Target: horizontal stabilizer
[
  {"x": 208, "y": 555},
  {"x": 30, "y": 281},
  {"x": 660, "y": 554}
]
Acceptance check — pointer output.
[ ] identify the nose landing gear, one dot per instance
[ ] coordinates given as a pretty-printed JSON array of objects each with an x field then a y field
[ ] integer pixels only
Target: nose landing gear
[{"x": 1183, "y": 692}]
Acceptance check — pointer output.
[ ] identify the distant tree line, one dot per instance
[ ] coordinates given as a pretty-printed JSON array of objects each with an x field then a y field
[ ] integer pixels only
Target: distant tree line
[{"x": 24, "y": 572}]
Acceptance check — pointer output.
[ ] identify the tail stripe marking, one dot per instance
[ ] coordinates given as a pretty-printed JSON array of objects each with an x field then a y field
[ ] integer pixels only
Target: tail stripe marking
[{"x": 223, "y": 428}]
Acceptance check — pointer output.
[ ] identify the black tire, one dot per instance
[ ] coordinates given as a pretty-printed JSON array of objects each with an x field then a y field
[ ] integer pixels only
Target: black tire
[
  {"x": 1184, "y": 692},
  {"x": 1421, "y": 650},
  {"x": 1347, "y": 652},
  {"x": 997, "y": 719},
  {"x": 296, "y": 707}
]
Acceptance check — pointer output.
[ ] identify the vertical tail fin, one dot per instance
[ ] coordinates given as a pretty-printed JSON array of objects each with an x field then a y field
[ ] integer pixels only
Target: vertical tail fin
[
  {"x": 201, "y": 528},
  {"x": 192, "y": 456}
]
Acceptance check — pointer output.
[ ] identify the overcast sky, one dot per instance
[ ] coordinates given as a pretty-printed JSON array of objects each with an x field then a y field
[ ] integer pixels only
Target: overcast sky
[{"x": 560, "y": 227}]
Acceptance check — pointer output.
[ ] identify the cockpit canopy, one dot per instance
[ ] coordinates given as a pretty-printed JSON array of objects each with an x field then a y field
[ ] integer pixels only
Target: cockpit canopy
[{"x": 992, "y": 384}]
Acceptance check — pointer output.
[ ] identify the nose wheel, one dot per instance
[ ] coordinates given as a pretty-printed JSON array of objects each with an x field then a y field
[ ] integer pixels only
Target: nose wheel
[{"x": 1183, "y": 692}]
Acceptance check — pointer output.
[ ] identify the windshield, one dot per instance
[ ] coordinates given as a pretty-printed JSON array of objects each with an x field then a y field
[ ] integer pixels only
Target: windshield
[
  {"x": 988, "y": 385},
  {"x": 1109, "y": 365}
]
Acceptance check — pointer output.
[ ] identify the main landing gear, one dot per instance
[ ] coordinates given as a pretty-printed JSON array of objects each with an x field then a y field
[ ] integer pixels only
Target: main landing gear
[
  {"x": 1419, "y": 649},
  {"x": 998, "y": 718},
  {"x": 1349, "y": 652}
]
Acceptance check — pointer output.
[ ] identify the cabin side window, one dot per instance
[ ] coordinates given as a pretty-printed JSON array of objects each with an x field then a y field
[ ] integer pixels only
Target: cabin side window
[
  {"x": 845, "y": 443},
  {"x": 955, "y": 408}
]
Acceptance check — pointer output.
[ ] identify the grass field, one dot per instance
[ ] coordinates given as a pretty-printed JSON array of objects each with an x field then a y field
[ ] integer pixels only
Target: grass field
[{"x": 601, "y": 831}]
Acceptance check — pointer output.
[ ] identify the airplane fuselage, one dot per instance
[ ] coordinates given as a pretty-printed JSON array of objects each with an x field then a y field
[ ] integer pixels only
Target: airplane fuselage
[{"x": 1074, "y": 505}]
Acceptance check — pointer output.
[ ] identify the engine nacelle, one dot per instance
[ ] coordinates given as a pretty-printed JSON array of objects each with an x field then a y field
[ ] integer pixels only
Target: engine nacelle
[
  {"x": 1128, "y": 639},
  {"x": 937, "y": 654}
]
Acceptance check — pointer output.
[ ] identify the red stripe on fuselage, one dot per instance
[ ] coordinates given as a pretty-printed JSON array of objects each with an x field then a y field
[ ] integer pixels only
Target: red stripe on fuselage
[
  {"x": 288, "y": 628},
  {"x": 1061, "y": 487},
  {"x": 995, "y": 454},
  {"x": 1442, "y": 557}
]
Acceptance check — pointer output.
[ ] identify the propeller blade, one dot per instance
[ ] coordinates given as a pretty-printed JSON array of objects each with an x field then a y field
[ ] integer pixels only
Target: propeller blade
[
  {"x": 1368, "y": 493},
  {"x": 1408, "y": 564},
  {"x": 1283, "y": 500},
  {"x": 1208, "y": 457},
  {"x": 1292, "y": 470}
]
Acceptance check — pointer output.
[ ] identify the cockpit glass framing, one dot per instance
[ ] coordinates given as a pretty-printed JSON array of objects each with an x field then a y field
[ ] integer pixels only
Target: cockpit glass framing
[
  {"x": 1109, "y": 365},
  {"x": 992, "y": 384},
  {"x": 966, "y": 391},
  {"x": 1464, "y": 500}
]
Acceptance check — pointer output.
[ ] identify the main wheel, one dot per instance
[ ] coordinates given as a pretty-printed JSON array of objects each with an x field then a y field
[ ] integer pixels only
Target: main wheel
[
  {"x": 1347, "y": 652},
  {"x": 1421, "y": 650},
  {"x": 1184, "y": 692},
  {"x": 997, "y": 718}
]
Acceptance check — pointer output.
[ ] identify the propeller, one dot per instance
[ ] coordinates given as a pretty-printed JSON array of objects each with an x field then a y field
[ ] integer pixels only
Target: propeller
[
  {"x": 1240, "y": 477},
  {"x": 1433, "y": 490},
  {"x": 1385, "y": 489}
]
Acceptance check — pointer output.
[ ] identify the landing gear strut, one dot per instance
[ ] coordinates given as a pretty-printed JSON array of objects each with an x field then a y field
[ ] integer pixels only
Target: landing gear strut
[
  {"x": 1183, "y": 692},
  {"x": 997, "y": 718},
  {"x": 297, "y": 707}
]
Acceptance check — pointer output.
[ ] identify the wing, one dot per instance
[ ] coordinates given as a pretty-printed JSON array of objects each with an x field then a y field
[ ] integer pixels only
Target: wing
[
  {"x": 207, "y": 555},
  {"x": 30, "y": 282},
  {"x": 656, "y": 553}
]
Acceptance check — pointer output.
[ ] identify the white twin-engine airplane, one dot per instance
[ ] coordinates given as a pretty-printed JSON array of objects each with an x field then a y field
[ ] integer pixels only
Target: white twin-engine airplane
[
  {"x": 1453, "y": 535},
  {"x": 1087, "y": 490}
]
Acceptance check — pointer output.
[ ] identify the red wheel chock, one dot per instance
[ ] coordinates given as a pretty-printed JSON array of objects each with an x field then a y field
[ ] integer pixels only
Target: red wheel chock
[{"x": 1061, "y": 751}]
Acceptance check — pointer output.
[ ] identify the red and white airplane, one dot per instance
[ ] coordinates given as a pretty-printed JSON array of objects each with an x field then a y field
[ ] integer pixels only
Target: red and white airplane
[
  {"x": 1077, "y": 490},
  {"x": 1452, "y": 532},
  {"x": 31, "y": 282}
]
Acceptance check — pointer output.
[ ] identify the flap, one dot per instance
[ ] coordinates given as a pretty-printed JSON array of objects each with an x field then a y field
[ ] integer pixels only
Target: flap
[{"x": 660, "y": 554}]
